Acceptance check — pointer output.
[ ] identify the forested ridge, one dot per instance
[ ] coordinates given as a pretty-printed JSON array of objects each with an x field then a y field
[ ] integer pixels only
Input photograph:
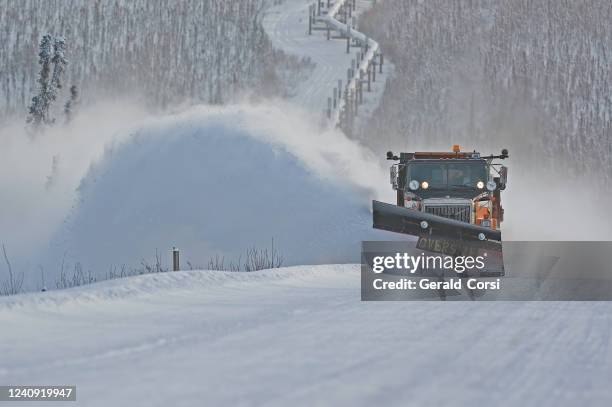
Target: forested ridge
[
  {"x": 532, "y": 75},
  {"x": 168, "y": 52}
]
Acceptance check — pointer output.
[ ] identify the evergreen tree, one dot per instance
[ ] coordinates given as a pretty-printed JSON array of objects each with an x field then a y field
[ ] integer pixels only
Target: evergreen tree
[
  {"x": 47, "y": 87},
  {"x": 39, "y": 109},
  {"x": 59, "y": 65}
]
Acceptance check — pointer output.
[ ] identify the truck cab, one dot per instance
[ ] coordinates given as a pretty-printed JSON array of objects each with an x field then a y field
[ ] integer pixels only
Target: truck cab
[
  {"x": 452, "y": 195},
  {"x": 462, "y": 186}
]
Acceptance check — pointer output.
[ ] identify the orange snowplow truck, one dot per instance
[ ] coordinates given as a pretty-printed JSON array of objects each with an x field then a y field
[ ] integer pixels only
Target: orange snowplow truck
[{"x": 449, "y": 196}]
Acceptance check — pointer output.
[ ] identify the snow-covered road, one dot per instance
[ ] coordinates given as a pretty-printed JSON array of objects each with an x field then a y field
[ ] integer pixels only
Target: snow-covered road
[
  {"x": 300, "y": 336},
  {"x": 287, "y": 26}
]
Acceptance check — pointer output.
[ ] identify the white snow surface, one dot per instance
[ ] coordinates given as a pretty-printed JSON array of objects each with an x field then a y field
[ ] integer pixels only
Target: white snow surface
[{"x": 300, "y": 336}]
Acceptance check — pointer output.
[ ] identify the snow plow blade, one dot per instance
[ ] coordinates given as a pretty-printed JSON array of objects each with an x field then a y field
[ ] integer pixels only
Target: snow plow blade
[
  {"x": 394, "y": 218},
  {"x": 442, "y": 235}
]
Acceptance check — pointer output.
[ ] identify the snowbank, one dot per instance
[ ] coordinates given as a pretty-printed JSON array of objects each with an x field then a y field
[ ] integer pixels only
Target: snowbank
[
  {"x": 160, "y": 284},
  {"x": 300, "y": 337}
]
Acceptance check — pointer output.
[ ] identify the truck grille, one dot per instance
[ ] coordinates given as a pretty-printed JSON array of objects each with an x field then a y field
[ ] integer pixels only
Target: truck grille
[{"x": 457, "y": 212}]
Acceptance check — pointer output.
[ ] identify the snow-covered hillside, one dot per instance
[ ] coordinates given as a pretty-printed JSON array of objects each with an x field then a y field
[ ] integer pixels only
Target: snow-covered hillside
[
  {"x": 300, "y": 336},
  {"x": 165, "y": 52},
  {"x": 531, "y": 76}
]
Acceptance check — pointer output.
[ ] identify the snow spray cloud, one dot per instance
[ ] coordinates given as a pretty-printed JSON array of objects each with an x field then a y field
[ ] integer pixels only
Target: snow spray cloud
[
  {"x": 218, "y": 180},
  {"x": 326, "y": 152},
  {"x": 40, "y": 173},
  {"x": 123, "y": 160}
]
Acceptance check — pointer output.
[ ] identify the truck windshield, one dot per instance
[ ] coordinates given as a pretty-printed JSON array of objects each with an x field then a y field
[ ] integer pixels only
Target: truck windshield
[{"x": 444, "y": 174}]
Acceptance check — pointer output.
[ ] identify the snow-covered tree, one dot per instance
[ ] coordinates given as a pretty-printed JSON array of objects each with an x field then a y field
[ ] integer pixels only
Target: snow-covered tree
[
  {"x": 48, "y": 84},
  {"x": 59, "y": 65},
  {"x": 39, "y": 109}
]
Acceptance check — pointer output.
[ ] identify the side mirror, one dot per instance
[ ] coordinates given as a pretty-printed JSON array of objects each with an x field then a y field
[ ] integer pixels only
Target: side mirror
[
  {"x": 504, "y": 153},
  {"x": 391, "y": 156}
]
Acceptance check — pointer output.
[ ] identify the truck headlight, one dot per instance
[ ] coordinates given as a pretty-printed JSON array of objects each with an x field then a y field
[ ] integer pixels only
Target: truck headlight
[
  {"x": 491, "y": 185},
  {"x": 413, "y": 185},
  {"x": 480, "y": 185},
  {"x": 425, "y": 185}
]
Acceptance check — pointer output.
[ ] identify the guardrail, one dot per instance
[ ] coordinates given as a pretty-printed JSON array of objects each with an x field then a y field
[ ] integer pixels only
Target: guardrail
[{"x": 343, "y": 106}]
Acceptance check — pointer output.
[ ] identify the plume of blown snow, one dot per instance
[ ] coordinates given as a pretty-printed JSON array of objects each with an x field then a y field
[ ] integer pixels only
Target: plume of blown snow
[
  {"x": 101, "y": 190},
  {"x": 324, "y": 150},
  {"x": 39, "y": 172}
]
